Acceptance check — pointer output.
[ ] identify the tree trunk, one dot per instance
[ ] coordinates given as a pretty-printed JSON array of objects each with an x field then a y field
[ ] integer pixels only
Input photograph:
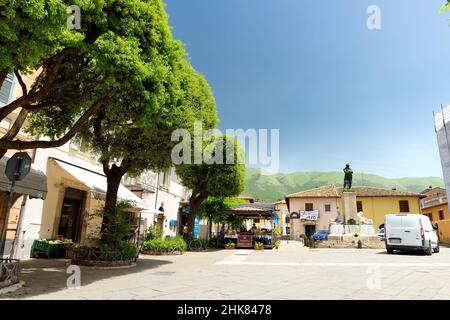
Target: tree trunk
[
  {"x": 3, "y": 74},
  {"x": 113, "y": 182},
  {"x": 193, "y": 209},
  {"x": 194, "y": 204},
  {"x": 210, "y": 227}
]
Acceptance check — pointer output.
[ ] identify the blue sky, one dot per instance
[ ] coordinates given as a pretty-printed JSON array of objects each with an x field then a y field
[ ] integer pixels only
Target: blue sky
[{"x": 337, "y": 91}]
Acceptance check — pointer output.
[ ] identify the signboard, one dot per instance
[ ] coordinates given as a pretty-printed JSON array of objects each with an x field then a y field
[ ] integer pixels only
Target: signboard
[
  {"x": 196, "y": 227},
  {"x": 309, "y": 215},
  {"x": 18, "y": 166}
]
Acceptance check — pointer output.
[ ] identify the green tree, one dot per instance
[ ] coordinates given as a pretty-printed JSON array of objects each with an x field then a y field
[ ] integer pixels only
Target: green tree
[
  {"x": 30, "y": 31},
  {"x": 445, "y": 7},
  {"x": 140, "y": 138},
  {"x": 214, "y": 179},
  {"x": 149, "y": 90},
  {"x": 211, "y": 209},
  {"x": 120, "y": 60}
]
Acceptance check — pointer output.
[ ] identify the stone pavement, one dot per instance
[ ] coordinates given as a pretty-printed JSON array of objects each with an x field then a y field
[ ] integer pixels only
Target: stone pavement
[{"x": 292, "y": 272}]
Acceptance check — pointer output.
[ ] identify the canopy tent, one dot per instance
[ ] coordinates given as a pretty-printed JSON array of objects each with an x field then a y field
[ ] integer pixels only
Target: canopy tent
[
  {"x": 251, "y": 210},
  {"x": 97, "y": 182},
  {"x": 34, "y": 184}
]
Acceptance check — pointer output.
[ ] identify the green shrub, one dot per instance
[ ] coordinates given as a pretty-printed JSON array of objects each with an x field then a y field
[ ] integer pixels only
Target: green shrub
[
  {"x": 104, "y": 252},
  {"x": 165, "y": 245},
  {"x": 153, "y": 233}
]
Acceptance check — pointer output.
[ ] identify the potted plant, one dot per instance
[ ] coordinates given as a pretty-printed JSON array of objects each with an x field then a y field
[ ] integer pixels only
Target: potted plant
[
  {"x": 259, "y": 246},
  {"x": 230, "y": 245},
  {"x": 277, "y": 244}
]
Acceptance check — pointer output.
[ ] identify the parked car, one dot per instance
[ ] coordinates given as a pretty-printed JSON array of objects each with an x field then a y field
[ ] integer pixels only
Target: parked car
[
  {"x": 410, "y": 232},
  {"x": 381, "y": 234},
  {"x": 321, "y": 235}
]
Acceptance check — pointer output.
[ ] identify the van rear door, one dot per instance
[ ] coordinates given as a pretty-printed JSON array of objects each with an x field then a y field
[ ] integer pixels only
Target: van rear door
[
  {"x": 411, "y": 230},
  {"x": 393, "y": 227}
]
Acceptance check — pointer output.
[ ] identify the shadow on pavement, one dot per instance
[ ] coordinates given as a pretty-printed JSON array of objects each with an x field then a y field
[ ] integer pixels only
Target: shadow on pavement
[
  {"x": 405, "y": 253},
  {"x": 43, "y": 276}
]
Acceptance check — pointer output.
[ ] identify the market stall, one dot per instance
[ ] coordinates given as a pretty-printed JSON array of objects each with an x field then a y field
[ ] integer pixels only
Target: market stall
[{"x": 251, "y": 211}]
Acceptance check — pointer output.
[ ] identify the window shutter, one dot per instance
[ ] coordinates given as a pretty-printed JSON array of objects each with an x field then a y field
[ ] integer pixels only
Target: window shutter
[{"x": 6, "y": 89}]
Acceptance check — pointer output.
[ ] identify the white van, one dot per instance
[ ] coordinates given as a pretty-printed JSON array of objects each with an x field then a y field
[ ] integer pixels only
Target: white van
[{"x": 410, "y": 232}]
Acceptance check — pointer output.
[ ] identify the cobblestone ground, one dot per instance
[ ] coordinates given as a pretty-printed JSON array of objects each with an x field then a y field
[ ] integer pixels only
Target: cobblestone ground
[{"x": 293, "y": 272}]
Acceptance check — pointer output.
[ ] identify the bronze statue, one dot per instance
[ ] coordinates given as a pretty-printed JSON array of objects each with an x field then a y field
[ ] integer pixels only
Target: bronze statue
[{"x": 348, "y": 176}]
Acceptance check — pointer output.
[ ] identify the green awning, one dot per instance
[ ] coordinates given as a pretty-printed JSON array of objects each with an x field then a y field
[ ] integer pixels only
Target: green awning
[{"x": 34, "y": 184}]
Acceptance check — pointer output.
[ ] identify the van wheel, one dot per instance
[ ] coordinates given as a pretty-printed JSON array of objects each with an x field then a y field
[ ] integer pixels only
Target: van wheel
[
  {"x": 429, "y": 250},
  {"x": 389, "y": 250},
  {"x": 436, "y": 250}
]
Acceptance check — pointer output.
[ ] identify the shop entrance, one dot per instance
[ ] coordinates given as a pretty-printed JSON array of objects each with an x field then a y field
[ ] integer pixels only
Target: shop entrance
[
  {"x": 310, "y": 230},
  {"x": 70, "y": 224}
]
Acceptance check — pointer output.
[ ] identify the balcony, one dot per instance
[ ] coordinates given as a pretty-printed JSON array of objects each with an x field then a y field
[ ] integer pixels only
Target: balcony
[
  {"x": 431, "y": 202},
  {"x": 144, "y": 183}
]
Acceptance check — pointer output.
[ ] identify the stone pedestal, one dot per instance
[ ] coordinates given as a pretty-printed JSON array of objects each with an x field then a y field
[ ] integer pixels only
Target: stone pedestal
[
  {"x": 349, "y": 205},
  {"x": 337, "y": 229}
]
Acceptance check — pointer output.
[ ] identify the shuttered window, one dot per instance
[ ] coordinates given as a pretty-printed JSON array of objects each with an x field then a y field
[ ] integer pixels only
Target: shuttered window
[
  {"x": 6, "y": 89},
  {"x": 404, "y": 205}
]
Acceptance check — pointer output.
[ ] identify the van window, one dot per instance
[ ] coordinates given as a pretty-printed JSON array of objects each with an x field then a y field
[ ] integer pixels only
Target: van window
[{"x": 404, "y": 205}]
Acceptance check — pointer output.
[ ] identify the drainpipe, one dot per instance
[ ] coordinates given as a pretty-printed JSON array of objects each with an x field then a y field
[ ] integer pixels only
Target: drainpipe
[{"x": 156, "y": 197}]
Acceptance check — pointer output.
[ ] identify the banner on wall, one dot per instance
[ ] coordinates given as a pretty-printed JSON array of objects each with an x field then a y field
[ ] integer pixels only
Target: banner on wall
[{"x": 309, "y": 215}]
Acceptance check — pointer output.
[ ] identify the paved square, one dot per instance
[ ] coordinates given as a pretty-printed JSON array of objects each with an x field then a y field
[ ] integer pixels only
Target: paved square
[{"x": 293, "y": 272}]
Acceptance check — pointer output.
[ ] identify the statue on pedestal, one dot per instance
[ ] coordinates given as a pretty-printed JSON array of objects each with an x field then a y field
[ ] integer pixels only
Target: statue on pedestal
[
  {"x": 362, "y": 219},
  {"x": 348, "y": 177},
  {"x": 338, "y": 220}
]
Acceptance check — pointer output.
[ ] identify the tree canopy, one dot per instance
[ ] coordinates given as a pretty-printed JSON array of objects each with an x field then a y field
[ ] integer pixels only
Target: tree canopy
[
  {"x": 120, "y": 60},
  {"x": 211, "y": 209},
  {"x": 146, "y": 88},
  {"x": 213, "y": 179}
]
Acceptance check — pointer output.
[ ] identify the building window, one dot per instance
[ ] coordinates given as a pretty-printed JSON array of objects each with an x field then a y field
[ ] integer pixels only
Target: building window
[
  {"x": 359, "y": 206},
  {"x": 429, "y": 215},
  {"x": 328, "y": 208},
  {"x": 164, "y": 179},
  {"x": 286, "y": 219},
  {"x": 404, "y": 205},
  {"x": 6, "y": 123},
  {"x": 6, "y": 89},
  {"x": 309, "y": 207},
  {"x": 79, "y": 144},
  {"x": 441, "y": 215}
]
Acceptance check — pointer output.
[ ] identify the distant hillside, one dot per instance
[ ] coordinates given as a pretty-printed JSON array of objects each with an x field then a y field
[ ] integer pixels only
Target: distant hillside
[{"x": 276, "y": 186}]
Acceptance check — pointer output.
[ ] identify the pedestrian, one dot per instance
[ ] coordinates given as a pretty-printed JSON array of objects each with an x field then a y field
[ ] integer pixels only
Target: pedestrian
[{"x": 185, "y": 231}]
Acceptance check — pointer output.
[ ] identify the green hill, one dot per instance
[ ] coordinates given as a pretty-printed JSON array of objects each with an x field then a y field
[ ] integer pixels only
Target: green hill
[{"x": 276, "y": 186}]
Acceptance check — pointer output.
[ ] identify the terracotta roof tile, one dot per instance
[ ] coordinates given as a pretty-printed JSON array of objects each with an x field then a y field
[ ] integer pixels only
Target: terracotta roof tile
[
  {"x": 328, "y": 191},
  {"x": 379, "y": 192},
  {"x": 331, "y": 191}
]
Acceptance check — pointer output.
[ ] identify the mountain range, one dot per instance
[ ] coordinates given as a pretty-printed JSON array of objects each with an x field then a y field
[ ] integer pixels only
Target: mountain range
[{"x": 274, "y": 187}]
